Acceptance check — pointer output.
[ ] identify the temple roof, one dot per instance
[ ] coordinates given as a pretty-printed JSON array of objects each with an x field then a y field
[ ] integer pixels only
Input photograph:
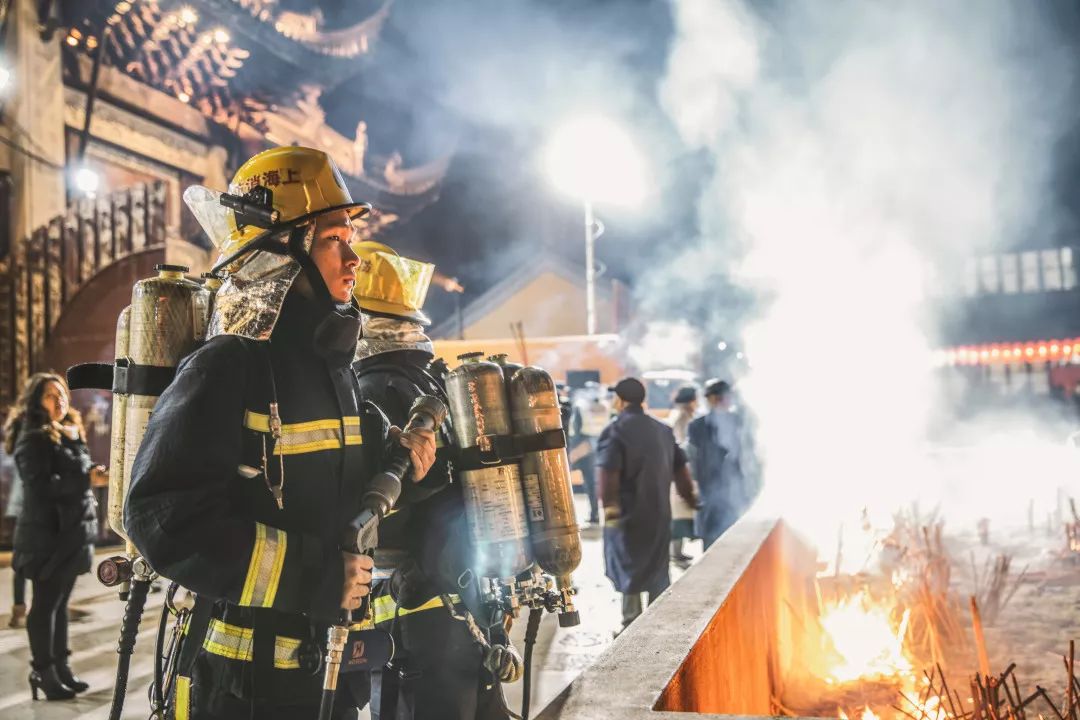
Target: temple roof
[
  {"x": 256, "y": 64},
  {"x": 229, "y": 58}
]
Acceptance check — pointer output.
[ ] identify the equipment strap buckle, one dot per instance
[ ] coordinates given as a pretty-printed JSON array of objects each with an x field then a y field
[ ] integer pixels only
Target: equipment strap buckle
[{"x": 494, "y": 450}]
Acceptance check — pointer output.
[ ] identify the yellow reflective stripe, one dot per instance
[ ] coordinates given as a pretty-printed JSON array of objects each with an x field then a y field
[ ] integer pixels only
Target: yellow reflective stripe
[
  {"x": 308, "y": 426},
  {"x": 256, "y": 421},
  {"x": 288, "y": 448},
  {"x": 309, "y": 436},
  {"x": 183, "y": 697},
  {"x": 352, "y": 431},
  {"x": 235, "y": 643},
  {"x": 387, "y": 609},
  {"x": 286, "y": 653},
  {"x": 228, "y": 641},
  {"x": 253, "y": 564},
  {"x": 264, "y": 569},
  {"x": 276, "y": 569}
]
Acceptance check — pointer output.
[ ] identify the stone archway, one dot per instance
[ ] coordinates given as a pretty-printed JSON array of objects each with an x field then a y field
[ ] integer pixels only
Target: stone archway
[{"x": 86, "y": 332}]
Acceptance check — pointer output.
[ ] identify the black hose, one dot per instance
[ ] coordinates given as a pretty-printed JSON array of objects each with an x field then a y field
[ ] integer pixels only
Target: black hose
[
  {"x": 532, "y": 629},
  {"x": 333, "y": 658},
  {"x": 326, "y": 704},
  {"x": 129, "y": 631},
  {"x": 157, "y": 699}
]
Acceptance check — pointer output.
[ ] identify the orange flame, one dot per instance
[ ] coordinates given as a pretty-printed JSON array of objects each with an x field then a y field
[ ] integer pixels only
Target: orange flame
[{"x": 865, "y": 640}]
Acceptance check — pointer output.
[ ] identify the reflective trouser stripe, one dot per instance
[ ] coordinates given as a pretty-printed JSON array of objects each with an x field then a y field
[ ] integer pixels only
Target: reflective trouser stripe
[
  {"x": 183, "y": 697},
  {"x": 264, "y": 570},
  {"x": 235, "y": 643}
]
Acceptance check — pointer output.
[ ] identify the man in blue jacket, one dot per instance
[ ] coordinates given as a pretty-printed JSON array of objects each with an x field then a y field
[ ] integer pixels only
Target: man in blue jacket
[{"x": 721, "y": 462}]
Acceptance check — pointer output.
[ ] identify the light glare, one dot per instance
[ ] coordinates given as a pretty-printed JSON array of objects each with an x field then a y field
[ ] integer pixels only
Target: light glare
[
  {"x": 593, "y": 159},
  {"x": 87, "y": 180}
]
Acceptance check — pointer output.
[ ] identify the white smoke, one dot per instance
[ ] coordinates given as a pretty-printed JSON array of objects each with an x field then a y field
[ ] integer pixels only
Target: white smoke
[
  {"x": 664, "y": 346},
  {"x": 855, "y": 146}
]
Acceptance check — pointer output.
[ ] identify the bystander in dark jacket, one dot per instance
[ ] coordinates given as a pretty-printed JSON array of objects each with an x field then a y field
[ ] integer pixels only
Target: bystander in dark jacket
[
  {"x": 638, "y": 459},
  {"x": 58, "y": 523},
  {"x": 723, "y": 464}
]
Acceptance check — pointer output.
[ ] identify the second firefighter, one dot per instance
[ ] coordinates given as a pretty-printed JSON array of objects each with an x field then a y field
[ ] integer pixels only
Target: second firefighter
[{"x": 441, "y": 669}]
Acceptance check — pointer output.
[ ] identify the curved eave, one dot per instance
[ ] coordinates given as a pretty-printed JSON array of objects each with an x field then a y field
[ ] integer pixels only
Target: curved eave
[
  {"x": 385, "y": 200},
  {"x": 420, "y": 188},
  {"x": 319, "y": 68}
]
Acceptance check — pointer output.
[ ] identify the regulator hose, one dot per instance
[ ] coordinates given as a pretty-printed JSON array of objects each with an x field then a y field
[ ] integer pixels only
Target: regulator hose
[
  {"x": 336, "y": 636},
  {"x": 158, "y": 695},
  {"x": 129, "y": 631},
  {"x": 532, "y": 629}
]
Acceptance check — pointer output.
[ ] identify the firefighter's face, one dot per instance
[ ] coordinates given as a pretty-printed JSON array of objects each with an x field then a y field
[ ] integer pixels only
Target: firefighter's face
[
  {"x": 332, "y": 255},
  {"x": 54, "y": 401}
]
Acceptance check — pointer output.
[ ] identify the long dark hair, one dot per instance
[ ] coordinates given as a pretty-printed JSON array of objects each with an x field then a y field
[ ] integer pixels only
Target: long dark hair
[{"x": 27, "y": 412}]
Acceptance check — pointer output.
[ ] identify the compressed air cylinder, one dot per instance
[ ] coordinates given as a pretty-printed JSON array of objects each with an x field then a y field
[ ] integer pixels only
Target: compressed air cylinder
[
  {"x": 169, "y": 317},
  {"x": 508, "y": 367},
  {"x": 494, "y": 504},
  {"x": 117, "y": 479},
  {"x": 553, "y": 529}
]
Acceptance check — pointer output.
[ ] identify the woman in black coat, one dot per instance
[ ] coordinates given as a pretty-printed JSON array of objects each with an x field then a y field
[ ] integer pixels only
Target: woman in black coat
[{"x": 53, "y": 540}]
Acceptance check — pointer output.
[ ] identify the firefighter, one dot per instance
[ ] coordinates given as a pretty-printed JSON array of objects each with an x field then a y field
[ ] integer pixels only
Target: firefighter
[
  {"x": 439, "y": 668},
  {"x": 256, "y": 455}
]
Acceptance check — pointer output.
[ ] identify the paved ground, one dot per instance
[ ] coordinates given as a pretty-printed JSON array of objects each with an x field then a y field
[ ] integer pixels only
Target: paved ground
[{"x": 560, "y": 655}]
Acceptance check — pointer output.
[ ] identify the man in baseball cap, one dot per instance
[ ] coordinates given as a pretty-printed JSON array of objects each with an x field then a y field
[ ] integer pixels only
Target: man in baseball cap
[{"x": 638, "y": 459}]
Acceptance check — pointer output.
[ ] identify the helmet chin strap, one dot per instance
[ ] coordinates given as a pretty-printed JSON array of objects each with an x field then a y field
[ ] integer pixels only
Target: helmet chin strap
[{"x": 339, "y": 330}]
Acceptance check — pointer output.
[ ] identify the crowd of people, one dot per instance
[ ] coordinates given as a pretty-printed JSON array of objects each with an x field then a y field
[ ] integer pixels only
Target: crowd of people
[{"x": 660, "y": 483}]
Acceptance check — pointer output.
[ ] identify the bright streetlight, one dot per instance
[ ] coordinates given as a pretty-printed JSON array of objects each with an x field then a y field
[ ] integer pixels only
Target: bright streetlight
[
  {"x": 594, "y": 160},
  {"x": 5, "y": 77},
  {"x": 87, "y": 180}
]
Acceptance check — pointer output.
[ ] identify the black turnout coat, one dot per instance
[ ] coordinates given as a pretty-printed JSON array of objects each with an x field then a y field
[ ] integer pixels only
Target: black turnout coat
[{"x": 200, "y": 509}]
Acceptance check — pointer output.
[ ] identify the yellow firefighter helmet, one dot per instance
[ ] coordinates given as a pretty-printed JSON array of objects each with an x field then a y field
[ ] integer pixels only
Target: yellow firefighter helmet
[
  {"x": 279, "y": 189},
  {"x": 389, "y": 284}
]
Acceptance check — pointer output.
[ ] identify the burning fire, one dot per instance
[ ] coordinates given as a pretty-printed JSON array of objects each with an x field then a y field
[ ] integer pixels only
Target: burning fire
[
  {"x": 868, "y": 645},
  {"x": 867, "y": 714}
]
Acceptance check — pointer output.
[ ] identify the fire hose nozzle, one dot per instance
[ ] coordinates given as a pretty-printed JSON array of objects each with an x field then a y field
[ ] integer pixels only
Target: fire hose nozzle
[{"x": 384, "y": 489}]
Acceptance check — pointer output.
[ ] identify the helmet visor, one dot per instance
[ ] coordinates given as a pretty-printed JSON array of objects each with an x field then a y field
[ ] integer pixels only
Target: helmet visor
[{"x": 394, "y": 280}]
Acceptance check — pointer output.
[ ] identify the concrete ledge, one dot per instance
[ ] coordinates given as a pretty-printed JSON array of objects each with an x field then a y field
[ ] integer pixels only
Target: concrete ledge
[{"x": 719, "y": 642}]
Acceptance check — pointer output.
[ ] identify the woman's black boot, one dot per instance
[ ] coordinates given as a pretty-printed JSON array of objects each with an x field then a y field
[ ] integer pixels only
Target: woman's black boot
[
  {"x": 47, "y": 681},
  {"x": 69, "y": 680}
]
